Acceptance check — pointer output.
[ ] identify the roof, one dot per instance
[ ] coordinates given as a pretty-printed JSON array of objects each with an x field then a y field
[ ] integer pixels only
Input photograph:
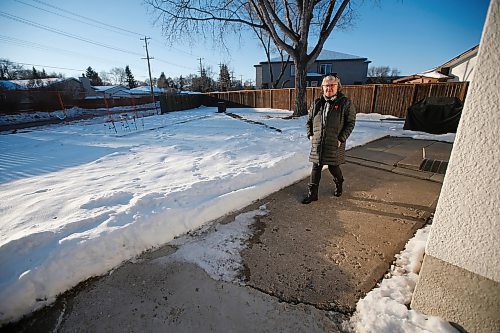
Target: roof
[
  {"x": 311, "y": 74},
  {"x": 9, "y": 85},
  {"x": 146, "y": 90},
  {"x": 106, "y": 88},
  {"x": 428, "y": 74},
  {"x": 467, "y": 54},
  {"x": 326, "y": 55},
  {"x": 433, "y": 74},
  {"x": 23, "y": 84}
]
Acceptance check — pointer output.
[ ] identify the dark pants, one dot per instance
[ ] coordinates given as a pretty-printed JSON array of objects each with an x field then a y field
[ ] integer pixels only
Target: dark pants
[{"x": 334, "y": 170}]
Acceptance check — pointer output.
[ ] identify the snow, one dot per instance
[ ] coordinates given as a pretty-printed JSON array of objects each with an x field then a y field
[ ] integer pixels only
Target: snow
[
  {"x": 433, "y": 74},
  {"x": 75, "y": 112},
  {"x": 218, "y": 253},
  {"x": 384, "y": 309},
  {"x": 80, "y": 198},
  {"x": 23, "y": 84}
]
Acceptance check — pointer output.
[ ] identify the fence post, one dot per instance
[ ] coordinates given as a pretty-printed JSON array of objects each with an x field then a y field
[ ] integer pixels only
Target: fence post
[
  {"x": 270, "y": 98},
  {"x": 463, "y": 90},
  {"x": 62, "y": 104},
  {"x": 414, "y": 94},
  {"x": 374, "y": 94}
]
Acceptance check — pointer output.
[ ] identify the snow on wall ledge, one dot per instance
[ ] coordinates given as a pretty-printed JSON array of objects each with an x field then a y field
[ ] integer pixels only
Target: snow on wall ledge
[{"x": 466, "y": 225}]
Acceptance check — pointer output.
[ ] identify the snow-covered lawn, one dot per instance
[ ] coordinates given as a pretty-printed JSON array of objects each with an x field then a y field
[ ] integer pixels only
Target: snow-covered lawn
[{"x": 78, "y": 199}]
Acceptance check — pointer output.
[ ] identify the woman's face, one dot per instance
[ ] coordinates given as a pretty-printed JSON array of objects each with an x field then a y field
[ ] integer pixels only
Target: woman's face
[{"x": 329, "y": 87}]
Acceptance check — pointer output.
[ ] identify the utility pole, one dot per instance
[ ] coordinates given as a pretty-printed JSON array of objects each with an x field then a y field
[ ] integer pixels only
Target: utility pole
[
  {"x": 220, "y": 77},
  {"x": 145, "y": 39},
  {"x": 201, "y": 66}
]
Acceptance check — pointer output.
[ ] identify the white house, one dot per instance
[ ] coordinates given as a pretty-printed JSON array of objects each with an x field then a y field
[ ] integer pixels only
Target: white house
[
  {"x": 461, "y": 68},
  {"x": 458, "y": 69}
]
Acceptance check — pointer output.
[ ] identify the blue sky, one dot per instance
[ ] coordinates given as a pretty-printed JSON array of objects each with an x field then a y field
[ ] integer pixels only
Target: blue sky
[{"x": 410, "y": 35}]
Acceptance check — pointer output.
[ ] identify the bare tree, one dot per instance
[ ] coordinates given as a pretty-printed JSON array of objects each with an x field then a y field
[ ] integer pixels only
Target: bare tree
[
  {"x": 117, "y": 75},
  {"x": 106, "y": 80},
  {"x": 290, "y": 23},
  {"x": 382, "y": 74}
]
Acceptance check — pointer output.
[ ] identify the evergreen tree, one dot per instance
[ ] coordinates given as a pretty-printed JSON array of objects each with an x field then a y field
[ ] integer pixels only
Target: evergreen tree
[
  {"x": 130, "y": 78},
  {"x": 93, "y": 77},
  {"x": 224, "y": 78},
  {"x": 162, "y": 81},
  {"x": 170, "y": 82},
  {"x": 181, "y": 82},
  {"x": 35, "y": 74}
]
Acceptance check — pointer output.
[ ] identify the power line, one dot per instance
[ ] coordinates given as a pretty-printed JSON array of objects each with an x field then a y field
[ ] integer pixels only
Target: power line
[
  {"x": 24, "y": 63},
  {"x": 63, "y": 33},
  {"x": 88, "y": 18},
  {"x": 71, "y": 18},
  {"x": 173, "y": 64},
  {"x": 50, "y": 29},
  {"x": 33, "y": 45},
  {"x": 47, "y": 28}
]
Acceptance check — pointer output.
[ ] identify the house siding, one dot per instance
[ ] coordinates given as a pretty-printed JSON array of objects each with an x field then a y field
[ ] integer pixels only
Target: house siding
[
  {"x": 350, "y": 71},
  {"x": 464, "y": 71}
]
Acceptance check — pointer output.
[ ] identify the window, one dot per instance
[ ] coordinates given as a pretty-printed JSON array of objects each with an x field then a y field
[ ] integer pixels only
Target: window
[
  {"x": 325, "y": 69},
  {"x": 314, "y": 83},
  {"x": 292, "y": 70}
]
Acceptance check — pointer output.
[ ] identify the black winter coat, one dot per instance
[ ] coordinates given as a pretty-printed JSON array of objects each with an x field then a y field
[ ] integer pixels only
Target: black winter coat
[{"x": 339, "y": 124}]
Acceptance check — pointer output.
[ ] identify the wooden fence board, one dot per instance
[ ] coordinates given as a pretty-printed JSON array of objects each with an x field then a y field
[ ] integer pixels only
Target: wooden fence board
[{"x": 361, "y": 97}]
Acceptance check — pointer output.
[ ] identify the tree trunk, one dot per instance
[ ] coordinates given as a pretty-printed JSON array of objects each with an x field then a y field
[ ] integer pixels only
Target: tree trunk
[{"x": 300, "y": 88}]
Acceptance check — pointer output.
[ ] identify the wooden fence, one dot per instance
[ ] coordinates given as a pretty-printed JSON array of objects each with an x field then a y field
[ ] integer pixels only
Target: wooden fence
[{"x": 386, "y": 99}]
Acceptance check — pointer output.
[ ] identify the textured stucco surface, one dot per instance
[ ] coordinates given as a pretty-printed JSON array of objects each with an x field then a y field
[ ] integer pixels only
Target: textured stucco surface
[
  {"x": 458, "y": 296},
  {"x": 466, "y": 229}
]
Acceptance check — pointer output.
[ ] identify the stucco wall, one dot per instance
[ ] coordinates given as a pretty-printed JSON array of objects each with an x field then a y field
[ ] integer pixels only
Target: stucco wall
[
  {"x": 466, "y": 228},
  {"x": 458, "y": 296}
]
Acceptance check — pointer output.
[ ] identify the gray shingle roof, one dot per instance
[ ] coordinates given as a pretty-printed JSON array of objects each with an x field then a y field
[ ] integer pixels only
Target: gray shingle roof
[{"x": 327, "y": 55}]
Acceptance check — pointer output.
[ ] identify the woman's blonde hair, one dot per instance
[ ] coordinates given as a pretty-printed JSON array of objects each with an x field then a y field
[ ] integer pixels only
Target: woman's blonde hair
[{"x": 331, "y": 77}]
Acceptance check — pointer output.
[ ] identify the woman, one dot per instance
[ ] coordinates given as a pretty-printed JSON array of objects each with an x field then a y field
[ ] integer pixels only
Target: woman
[{"x": 330, "y": 121}]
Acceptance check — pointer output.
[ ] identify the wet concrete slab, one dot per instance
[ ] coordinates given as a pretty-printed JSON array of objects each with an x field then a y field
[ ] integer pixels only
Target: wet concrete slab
[
  {"x": 333, "y": 251},
  {"x": 404, "y": 156}
]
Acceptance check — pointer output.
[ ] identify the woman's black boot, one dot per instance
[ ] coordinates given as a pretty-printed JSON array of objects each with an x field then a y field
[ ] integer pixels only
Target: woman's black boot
[
  {"x": 338, "y": 188},
  {"x": 312, "y": 194}
]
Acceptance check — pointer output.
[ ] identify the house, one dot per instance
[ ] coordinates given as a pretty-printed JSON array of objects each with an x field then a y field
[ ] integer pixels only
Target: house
[
  {"x": 25, "y": 94},
  {"x": 350, "y": 68},
  {"x": 116, "y": 91},
  {"x": 460, "y": 68},
  {"x": 67, "y": 86},
  {"x": 146, "y": 90}
]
